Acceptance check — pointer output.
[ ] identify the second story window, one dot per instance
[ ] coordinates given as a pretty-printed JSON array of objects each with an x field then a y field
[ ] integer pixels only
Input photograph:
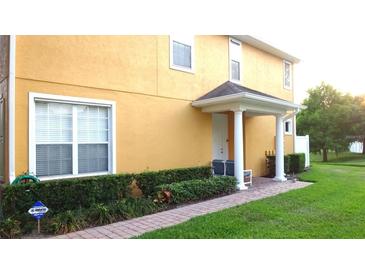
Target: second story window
[
  {"x": 287, "y": 74},
  {"x": 235, "y": 56},
  {"x": 182, "y": 53}
]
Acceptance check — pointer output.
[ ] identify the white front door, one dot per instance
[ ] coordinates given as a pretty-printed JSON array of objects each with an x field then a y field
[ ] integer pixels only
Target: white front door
[{"x": 220, "y": 136}]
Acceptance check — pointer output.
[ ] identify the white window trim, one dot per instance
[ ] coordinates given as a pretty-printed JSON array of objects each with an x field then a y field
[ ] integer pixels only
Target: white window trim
[
  {"x": 187, "y": 41},
  {"x": 290, "y": 132},
  {"x": 34, "y": 96},
  {"x": 238, "y": 59},
  {"x": 291, "y": 75}
]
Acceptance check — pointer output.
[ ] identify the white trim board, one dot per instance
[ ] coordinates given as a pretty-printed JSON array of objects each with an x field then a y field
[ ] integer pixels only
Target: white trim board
[
  {"x": 34, "y": 96},
  {"x": 11, "y": 107}
]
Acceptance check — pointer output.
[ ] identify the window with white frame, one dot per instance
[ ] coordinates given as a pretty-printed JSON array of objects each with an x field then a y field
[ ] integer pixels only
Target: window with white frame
[
  {"x": 235, "y": 60},
  {"x": 182, "y": 53},
  {"x": 288, "y": 126},
  {"x": 53, "y": 139},
  {"x": 287, "y": 74},
  {"x": 70, "y": 138}
]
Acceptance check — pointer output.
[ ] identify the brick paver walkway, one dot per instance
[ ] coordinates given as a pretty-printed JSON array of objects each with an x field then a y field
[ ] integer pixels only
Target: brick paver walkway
[{"x": 262, "y": 188}]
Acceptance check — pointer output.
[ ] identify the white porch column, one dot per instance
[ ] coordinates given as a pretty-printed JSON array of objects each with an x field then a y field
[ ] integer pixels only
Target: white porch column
[
  {"x": 238, "y": 148},
  {"x": 279, "y": 158}
]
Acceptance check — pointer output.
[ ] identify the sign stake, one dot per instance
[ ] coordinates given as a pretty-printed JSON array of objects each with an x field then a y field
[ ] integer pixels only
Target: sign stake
[{"x": 39, "y": 226}]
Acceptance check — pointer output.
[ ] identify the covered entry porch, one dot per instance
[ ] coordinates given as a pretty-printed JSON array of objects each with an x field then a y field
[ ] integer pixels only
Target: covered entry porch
[{"x": 239, "y": 102}]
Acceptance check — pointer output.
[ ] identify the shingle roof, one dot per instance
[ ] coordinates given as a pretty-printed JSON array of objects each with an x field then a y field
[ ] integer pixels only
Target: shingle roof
[{"x": 229, "y": 88}]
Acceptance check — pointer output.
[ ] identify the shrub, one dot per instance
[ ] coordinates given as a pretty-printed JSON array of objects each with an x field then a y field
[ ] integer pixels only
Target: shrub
[
  {"x": 142, "y": 206},
  {"x": 296, "y": 162},
  {"x": 135, "y": 207},
  {"x": 66, "y": 194},
  {"x": 99, "y": 214},
  {"x": 148, "y": 181},
  {"x": 10, "y": 228},
  {"x": 271, "y": 165},
  {"x": 195, "y": 190},
  {"x": 65, "y": 222},
  {"x": 122, "y": 211}
]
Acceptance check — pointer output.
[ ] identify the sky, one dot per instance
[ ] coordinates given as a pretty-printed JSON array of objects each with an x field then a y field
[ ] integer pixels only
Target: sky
[
  {"x": 337, "y": 60},
  {"x": 327, "y": 35}
]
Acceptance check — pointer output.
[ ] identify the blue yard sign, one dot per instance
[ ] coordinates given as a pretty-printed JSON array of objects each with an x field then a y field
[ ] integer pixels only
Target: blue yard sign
[{"x": 38, "y": 210}]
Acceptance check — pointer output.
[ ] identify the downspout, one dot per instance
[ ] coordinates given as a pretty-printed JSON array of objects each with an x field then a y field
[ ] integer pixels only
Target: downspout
[{"x": 11, "y": 109}]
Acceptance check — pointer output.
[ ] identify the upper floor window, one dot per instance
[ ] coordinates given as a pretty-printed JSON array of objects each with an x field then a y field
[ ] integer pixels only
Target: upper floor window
[
  {"x": 287, "y": 74},
  {"x": 235, "y": 56},
  {"x": 182, "y": 53},
  {"x": 288, "y": 125}
]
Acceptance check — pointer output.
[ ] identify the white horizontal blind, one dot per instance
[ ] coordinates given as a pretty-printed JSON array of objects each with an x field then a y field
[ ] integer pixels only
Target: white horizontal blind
[
  {"x": 53, "y": 139},
  {"x": 57, "y": 137},
  {"x": 93, "y": 138}
]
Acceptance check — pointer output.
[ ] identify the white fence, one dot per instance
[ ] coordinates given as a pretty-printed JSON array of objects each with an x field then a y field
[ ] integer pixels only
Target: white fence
[
  {"x": 356, "y": 147},
  {"x": 302, "y": 146}
]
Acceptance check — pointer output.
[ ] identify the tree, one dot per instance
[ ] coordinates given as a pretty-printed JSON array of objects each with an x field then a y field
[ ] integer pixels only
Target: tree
[{"x": 326, "y": 119}]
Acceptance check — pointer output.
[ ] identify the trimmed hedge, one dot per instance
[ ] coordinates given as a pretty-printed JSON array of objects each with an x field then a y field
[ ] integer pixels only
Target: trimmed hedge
[
  {"x": 195, "y": 190},
  {"x": 65, "y": 194},
  {"x": 70, "y": 194},
  {"x": 81, "y": 202},
  {"x": 297, "y": 162},
  {"x": 293, "y": 163},
  {"x": 148, "y": 181}
]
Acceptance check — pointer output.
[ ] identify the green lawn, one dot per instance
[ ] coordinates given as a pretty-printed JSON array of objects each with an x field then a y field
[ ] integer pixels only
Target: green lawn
[
  {"x": 344, "y": 158},
  {"x": 341, "y": 157},
  {"x": 333, "y": 207}
]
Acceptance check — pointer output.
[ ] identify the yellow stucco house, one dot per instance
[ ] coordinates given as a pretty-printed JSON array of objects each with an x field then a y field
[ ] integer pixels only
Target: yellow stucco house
[{"x": 90, "y": 105}]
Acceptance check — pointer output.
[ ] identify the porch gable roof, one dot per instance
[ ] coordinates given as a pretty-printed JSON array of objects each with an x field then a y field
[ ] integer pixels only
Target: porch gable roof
[{"x": 230, "y": 94}]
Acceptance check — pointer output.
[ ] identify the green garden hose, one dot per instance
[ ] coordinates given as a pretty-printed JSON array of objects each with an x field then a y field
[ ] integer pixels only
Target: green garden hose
[{"x": 25, "y": 178}]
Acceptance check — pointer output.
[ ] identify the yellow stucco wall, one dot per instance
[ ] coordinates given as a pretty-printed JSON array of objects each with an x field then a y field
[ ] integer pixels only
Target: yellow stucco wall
[
  {"x": 264, "y": 72},
  {"x": 259, "y": 136},
  {"x": 156, "y": 126},
  {"x": 152, "y": 132},
  {"x": 211, "y": 68},
  {"x": 137, "y": 64}
]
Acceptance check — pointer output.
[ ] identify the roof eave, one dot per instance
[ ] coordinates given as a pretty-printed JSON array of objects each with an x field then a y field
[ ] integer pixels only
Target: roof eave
[
  {"x": 245, "y": 95},
  {"x": 266, "y": 47}
]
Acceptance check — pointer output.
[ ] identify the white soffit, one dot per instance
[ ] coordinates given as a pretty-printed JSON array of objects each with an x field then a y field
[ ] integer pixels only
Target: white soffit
[{"x": 266, "y": 47}]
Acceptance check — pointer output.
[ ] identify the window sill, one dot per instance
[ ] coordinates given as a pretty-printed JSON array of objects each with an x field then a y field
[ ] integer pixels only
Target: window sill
[
  {"x": 288, "y": 133},
  {"x": 288, "y": 88},
  {"x": 57, "y": 177},
  {"x": 183, "y": 69}
]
